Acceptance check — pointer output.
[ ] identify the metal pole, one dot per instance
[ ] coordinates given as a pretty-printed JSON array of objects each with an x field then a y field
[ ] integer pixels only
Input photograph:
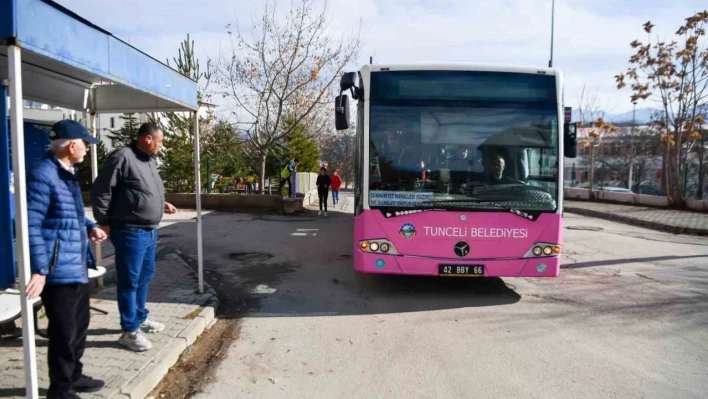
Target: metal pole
[
  {"x": 553, "y": 20},
  {"x": 21, "y": 228},
  {"x": 94, "y": 174},
  {"x": 198, "y": 193}
]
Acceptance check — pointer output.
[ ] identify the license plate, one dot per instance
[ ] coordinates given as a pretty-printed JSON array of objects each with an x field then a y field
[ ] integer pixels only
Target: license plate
[{"x": 461, "y": 270}]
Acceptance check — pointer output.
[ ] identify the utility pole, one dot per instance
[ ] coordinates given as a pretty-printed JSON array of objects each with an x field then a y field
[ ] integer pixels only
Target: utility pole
[{"x": 553, "y": 20}]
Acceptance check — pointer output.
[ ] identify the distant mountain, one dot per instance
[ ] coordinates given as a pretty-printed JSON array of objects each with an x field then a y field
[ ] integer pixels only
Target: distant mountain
[{"x": 643, "y": 115}]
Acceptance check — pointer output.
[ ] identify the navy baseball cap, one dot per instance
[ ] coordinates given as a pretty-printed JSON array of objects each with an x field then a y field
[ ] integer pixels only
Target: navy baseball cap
[{"x": 68, "y": 129}]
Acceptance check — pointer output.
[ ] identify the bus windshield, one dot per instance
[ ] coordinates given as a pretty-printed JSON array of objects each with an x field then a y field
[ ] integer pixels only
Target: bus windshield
[{"x": 463, "y": 140}]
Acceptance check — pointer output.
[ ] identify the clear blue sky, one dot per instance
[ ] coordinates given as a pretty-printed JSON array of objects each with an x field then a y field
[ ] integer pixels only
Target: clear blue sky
[{"x": 591, "y": 46}]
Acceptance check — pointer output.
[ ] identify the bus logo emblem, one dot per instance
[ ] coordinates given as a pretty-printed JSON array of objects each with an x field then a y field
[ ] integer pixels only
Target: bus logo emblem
[
  {"x": 407, "y": 231},
  {"x": 462, "y": 249}
]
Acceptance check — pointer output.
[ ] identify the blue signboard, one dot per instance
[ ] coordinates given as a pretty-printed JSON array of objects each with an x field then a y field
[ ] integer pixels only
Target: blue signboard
[
  {"x": 36, "y": 144},
  {"x": 7, "y": 202}
]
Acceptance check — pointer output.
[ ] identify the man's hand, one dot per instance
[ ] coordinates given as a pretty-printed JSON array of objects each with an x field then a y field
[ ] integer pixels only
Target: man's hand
[
  {"x": 170, "y": 209},
  {"x": 35, "y": 286},
  {"x": 98, "y": 235},
  {"x": 106, "y": 229}
]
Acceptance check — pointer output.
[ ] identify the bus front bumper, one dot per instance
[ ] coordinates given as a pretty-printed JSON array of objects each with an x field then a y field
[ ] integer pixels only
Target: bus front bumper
[{"x": 365, "y": 262}]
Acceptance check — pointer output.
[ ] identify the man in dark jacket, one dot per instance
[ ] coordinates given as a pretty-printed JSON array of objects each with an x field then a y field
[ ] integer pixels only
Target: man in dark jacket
[
  {"x": 59, "y": 234},
  {"x": 128, "y": 200},
  {"x": 323, "y": 182},
  {"x": 494, "y": 174}
]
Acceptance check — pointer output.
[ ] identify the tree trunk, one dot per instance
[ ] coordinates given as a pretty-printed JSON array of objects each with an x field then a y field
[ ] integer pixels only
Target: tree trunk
[
  {"x": 592, "y": 171},
  {"x": 699, "y": 194},
  {"x": 675, "y": 178},
  {"x": 264, "y": 155},
  {"x": 664, "y": 186}
]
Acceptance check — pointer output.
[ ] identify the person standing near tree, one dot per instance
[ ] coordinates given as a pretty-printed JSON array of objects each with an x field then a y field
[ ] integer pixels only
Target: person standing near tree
[
  {"x": 59, "y": 235},
  {"x": 336, "y": 185},
  {"x": 287, "y": 175},
  {"x": 128, "y": 199},
  {"x": 323, "y": 183}
]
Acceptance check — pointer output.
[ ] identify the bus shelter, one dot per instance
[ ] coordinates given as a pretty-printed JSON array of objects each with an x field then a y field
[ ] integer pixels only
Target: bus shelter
[{"x": 50, "y": 55}]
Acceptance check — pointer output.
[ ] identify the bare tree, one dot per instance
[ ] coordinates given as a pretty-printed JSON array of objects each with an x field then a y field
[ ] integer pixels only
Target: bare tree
[
  {"x": 339, "y": 149},
  {"x": 284, "y": 71},
  {"x": 590, "y": 108},
  {"x": 675, "y": 76},
  {"x": 597, "y": 133}
]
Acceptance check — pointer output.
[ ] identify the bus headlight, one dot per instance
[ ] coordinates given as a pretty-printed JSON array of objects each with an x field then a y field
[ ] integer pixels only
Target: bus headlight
[
  {"x": 379, "y": 246},
  {"x": 543, "y": 249}
]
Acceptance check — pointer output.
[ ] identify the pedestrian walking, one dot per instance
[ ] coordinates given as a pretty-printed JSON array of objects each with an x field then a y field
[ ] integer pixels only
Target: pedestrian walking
[
  {"x": 60, "y": 254},
  {"x": 336, "y": 185},
  {"x": 323, "y": 183},
  {"x": 287, "y": 175},
  {"x": 128, "y": 199}
]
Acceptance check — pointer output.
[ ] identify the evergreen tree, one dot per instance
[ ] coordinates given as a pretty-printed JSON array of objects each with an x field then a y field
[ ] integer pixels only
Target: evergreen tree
[
  {"x": 221, "y": 147},
  {"x": 177, "y": 169},
  {"x": 302, "y": 145},
  {"x": 84, "y": 168},
  {"x": 127, "y": 133},
  {"x": 299, "y": 144}
]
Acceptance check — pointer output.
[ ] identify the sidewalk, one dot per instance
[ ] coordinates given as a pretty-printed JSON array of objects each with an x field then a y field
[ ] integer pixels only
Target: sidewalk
[
  {"x": 173, "y": 300},
  {"x": 340, "y": 207},
  {"x": 670, "y": 220}
]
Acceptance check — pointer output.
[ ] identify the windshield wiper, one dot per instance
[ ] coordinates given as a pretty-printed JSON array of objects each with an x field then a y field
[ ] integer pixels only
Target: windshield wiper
[{"x": 523, "y": 214}]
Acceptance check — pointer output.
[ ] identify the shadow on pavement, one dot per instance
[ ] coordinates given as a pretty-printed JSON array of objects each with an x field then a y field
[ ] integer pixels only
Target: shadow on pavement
[
  {"x": 15, "y": 392},
  {"x": 278, "y": 266}
]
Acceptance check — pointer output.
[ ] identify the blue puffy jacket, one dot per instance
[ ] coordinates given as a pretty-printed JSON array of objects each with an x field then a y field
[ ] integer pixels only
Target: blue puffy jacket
[{"x": 58, "y": 227}]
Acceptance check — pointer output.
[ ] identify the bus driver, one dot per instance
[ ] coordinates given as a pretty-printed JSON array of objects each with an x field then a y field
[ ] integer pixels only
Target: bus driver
[{"x": 494, "y": 171}]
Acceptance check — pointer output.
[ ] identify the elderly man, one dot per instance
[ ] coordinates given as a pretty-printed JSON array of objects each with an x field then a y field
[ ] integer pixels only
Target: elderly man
[
  {"x": 59, "y": 234},
  {"x": 128, "y": 200}
]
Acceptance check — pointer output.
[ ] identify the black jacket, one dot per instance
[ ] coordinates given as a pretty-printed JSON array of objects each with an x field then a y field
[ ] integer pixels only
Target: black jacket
[
  {"x": 128, "y": 190},
  {"x": 323, "y": 182}
]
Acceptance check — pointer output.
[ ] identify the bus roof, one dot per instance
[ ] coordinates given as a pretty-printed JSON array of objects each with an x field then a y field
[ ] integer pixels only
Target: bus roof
[{"x": 459, "y": 67}]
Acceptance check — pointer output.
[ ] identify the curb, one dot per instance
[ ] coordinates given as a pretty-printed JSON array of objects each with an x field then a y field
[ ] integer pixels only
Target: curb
[
  {"x": 637, "y": 222},
  {"x": 141, "y": 385}
]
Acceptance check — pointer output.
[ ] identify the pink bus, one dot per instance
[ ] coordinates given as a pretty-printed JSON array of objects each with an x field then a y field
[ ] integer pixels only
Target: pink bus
[{"x": 458, "y": 169}]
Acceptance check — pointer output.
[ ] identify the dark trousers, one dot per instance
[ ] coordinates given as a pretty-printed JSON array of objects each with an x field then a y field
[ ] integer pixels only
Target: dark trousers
[
  {"x": 323, "y": 194},
  {"x": 67, "y": 309},
  {"x": 135, "y": 250},
  {"x": 282, "y": 184}
]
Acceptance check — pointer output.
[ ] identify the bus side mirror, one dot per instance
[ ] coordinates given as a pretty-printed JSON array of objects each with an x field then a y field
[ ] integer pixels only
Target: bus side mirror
[
  {"x": 348, "y": 81},
  {"x": 341, "y": 112},
  {"x": 570, "y": 140}
]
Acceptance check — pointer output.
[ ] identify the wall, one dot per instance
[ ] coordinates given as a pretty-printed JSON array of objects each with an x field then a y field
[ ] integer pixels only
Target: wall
[
  {"x": 230, "y": 202},
  {"x": 305, "y": 184},
  {"x": 627, "y": 198}
]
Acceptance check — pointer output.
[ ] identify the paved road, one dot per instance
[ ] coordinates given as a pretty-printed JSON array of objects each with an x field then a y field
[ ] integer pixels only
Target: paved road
[{"x": 627, "y": 317}]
